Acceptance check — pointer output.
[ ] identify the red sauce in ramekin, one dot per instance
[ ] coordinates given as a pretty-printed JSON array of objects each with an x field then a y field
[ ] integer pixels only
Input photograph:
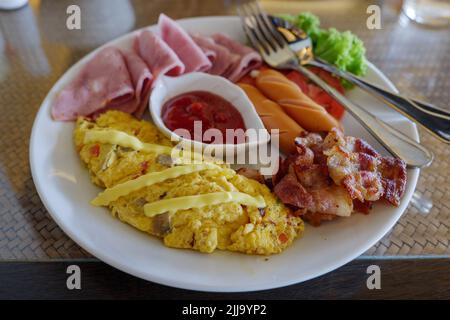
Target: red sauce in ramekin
[{"x": 213, "y": 111}]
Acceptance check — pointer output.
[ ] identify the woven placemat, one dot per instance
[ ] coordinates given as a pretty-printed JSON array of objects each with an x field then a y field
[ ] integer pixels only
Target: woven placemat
[
  {"x": 417, "y": 233},
  {"x": 31, "y": 64}
]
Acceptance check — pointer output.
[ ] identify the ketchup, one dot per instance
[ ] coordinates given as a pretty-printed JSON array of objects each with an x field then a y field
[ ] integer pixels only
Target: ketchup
[{"x": 213, "y": 111}]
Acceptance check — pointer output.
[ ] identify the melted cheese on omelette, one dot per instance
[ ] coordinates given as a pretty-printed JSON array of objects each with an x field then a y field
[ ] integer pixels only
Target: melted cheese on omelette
[{"x": 232, "y": 220}]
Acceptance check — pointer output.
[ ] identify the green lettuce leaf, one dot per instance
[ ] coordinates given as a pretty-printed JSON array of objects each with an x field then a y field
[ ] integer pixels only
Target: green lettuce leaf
[{"x": 343, "y": 49}]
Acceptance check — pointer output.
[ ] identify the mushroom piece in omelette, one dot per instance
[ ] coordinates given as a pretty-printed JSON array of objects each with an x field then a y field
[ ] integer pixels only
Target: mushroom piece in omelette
[{"x": 202, "y": 206}]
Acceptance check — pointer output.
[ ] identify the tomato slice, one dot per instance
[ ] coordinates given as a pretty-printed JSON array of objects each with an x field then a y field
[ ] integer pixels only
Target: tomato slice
[
  {"x": 314, "y": 91},
  {"x": 328, "y": 78},
  {"x": 283, "y": 237},
  {"x": 299, "y": 80},
  {"x": 95, "y": 150},
  {"x": 323, "y": 99},
  {"x": 336, "y": 109},
  {"x": 331, "y": 105}
]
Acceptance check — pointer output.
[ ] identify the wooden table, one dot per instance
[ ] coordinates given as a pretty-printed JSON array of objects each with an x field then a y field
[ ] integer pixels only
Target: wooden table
[{"x": 36, "y": 49}]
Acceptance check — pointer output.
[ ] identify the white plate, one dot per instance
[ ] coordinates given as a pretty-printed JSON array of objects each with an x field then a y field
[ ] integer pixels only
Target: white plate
[{"x": 65, "y": 189}]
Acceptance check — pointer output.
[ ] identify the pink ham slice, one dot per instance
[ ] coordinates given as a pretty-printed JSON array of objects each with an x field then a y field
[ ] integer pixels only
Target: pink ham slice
[
  {"x": 102, "y": 82},
  {"x": 161, "y": 59},
  {"x": 142, "y": 80},
  {"x": 186, "y": 49},
  {"x": 221, "y": 58},
  {"x": 249, "y": 58},
  {"x": 207, "y": 46}
]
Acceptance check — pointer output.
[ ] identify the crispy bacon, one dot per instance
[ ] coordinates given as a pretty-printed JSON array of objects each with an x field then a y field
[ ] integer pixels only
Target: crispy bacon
[
  {"x": 316, "y": 218},
  {"x": 363, "y": 185},
  {"x": 313, "y": 176},
  {"x": 362, "y": 146},
  {"x": 367, "y": 175},
  {"x": 310, "y": 190},
  {"x": 291, "y": 192},
  {"x": 308, "y": 139},
  {"x": 314, "y": 142},
  {"x": 393, "y": 172},
  {"x": 331, "y": 200},
  {"x": 319, "y": 156},
  {"x": 304, "y": 157},
  {"x": 367, "y": 162},
  {"x": 334, "y": 175},
  {"x": 282, "y": 169},
  {"x": 363, "y": 207}
]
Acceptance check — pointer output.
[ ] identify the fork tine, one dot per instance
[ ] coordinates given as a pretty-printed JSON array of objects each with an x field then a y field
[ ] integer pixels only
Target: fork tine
[
  {"x": 280, "y": 39},
  {"x": 264, "y": 27},
  {"x": 249, "y": 23},
  {"x": 250, "y": 36},
  {"x": 261, "y": 27}
]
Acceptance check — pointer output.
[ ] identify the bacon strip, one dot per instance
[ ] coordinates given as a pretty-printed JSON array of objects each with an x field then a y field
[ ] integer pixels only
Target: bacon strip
[
  {"x": 393, "y": 172},
  {"x": 366, "y": 175},
  {"x": 363, "y": 207},
  {"x": 316, "y": 218},
  {"x": 291, "y": 192},
  {"x": 332, "y": 176}
]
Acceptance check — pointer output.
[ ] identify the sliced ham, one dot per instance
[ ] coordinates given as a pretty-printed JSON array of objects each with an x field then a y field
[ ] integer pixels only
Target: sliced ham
[
  {"x": 248, "y": 60},
  {"x": 221, "y": 58},
  {"x": 186, "y": 49},
  {"x": 140, "y": 74},
  {"x": 103, "y": 81},
  {"x": 113, "y": 79},
  {"x": 207, "y": 46},
  {"x": 160, "y": 58},
  {"x": 142, "y": 80}
]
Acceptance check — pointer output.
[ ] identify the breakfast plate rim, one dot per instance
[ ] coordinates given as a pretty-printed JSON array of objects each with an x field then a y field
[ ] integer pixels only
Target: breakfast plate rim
[{"x": 185, "y": 283}]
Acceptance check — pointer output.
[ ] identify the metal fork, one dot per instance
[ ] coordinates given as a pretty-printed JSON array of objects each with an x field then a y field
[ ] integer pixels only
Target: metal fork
[
  {"x": 432, "y": 118},
  {"x": 276, "y": 52}
]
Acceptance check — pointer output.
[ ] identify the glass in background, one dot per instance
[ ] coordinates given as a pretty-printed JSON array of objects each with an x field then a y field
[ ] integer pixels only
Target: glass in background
[
  {"x": 101, "y": 21},
  {"x": 22, "y": 39},
  {"x": 434, "y": 13}
]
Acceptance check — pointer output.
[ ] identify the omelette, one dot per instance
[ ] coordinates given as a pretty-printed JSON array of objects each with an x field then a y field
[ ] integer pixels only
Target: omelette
[{"x": 200, "y": 205}]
